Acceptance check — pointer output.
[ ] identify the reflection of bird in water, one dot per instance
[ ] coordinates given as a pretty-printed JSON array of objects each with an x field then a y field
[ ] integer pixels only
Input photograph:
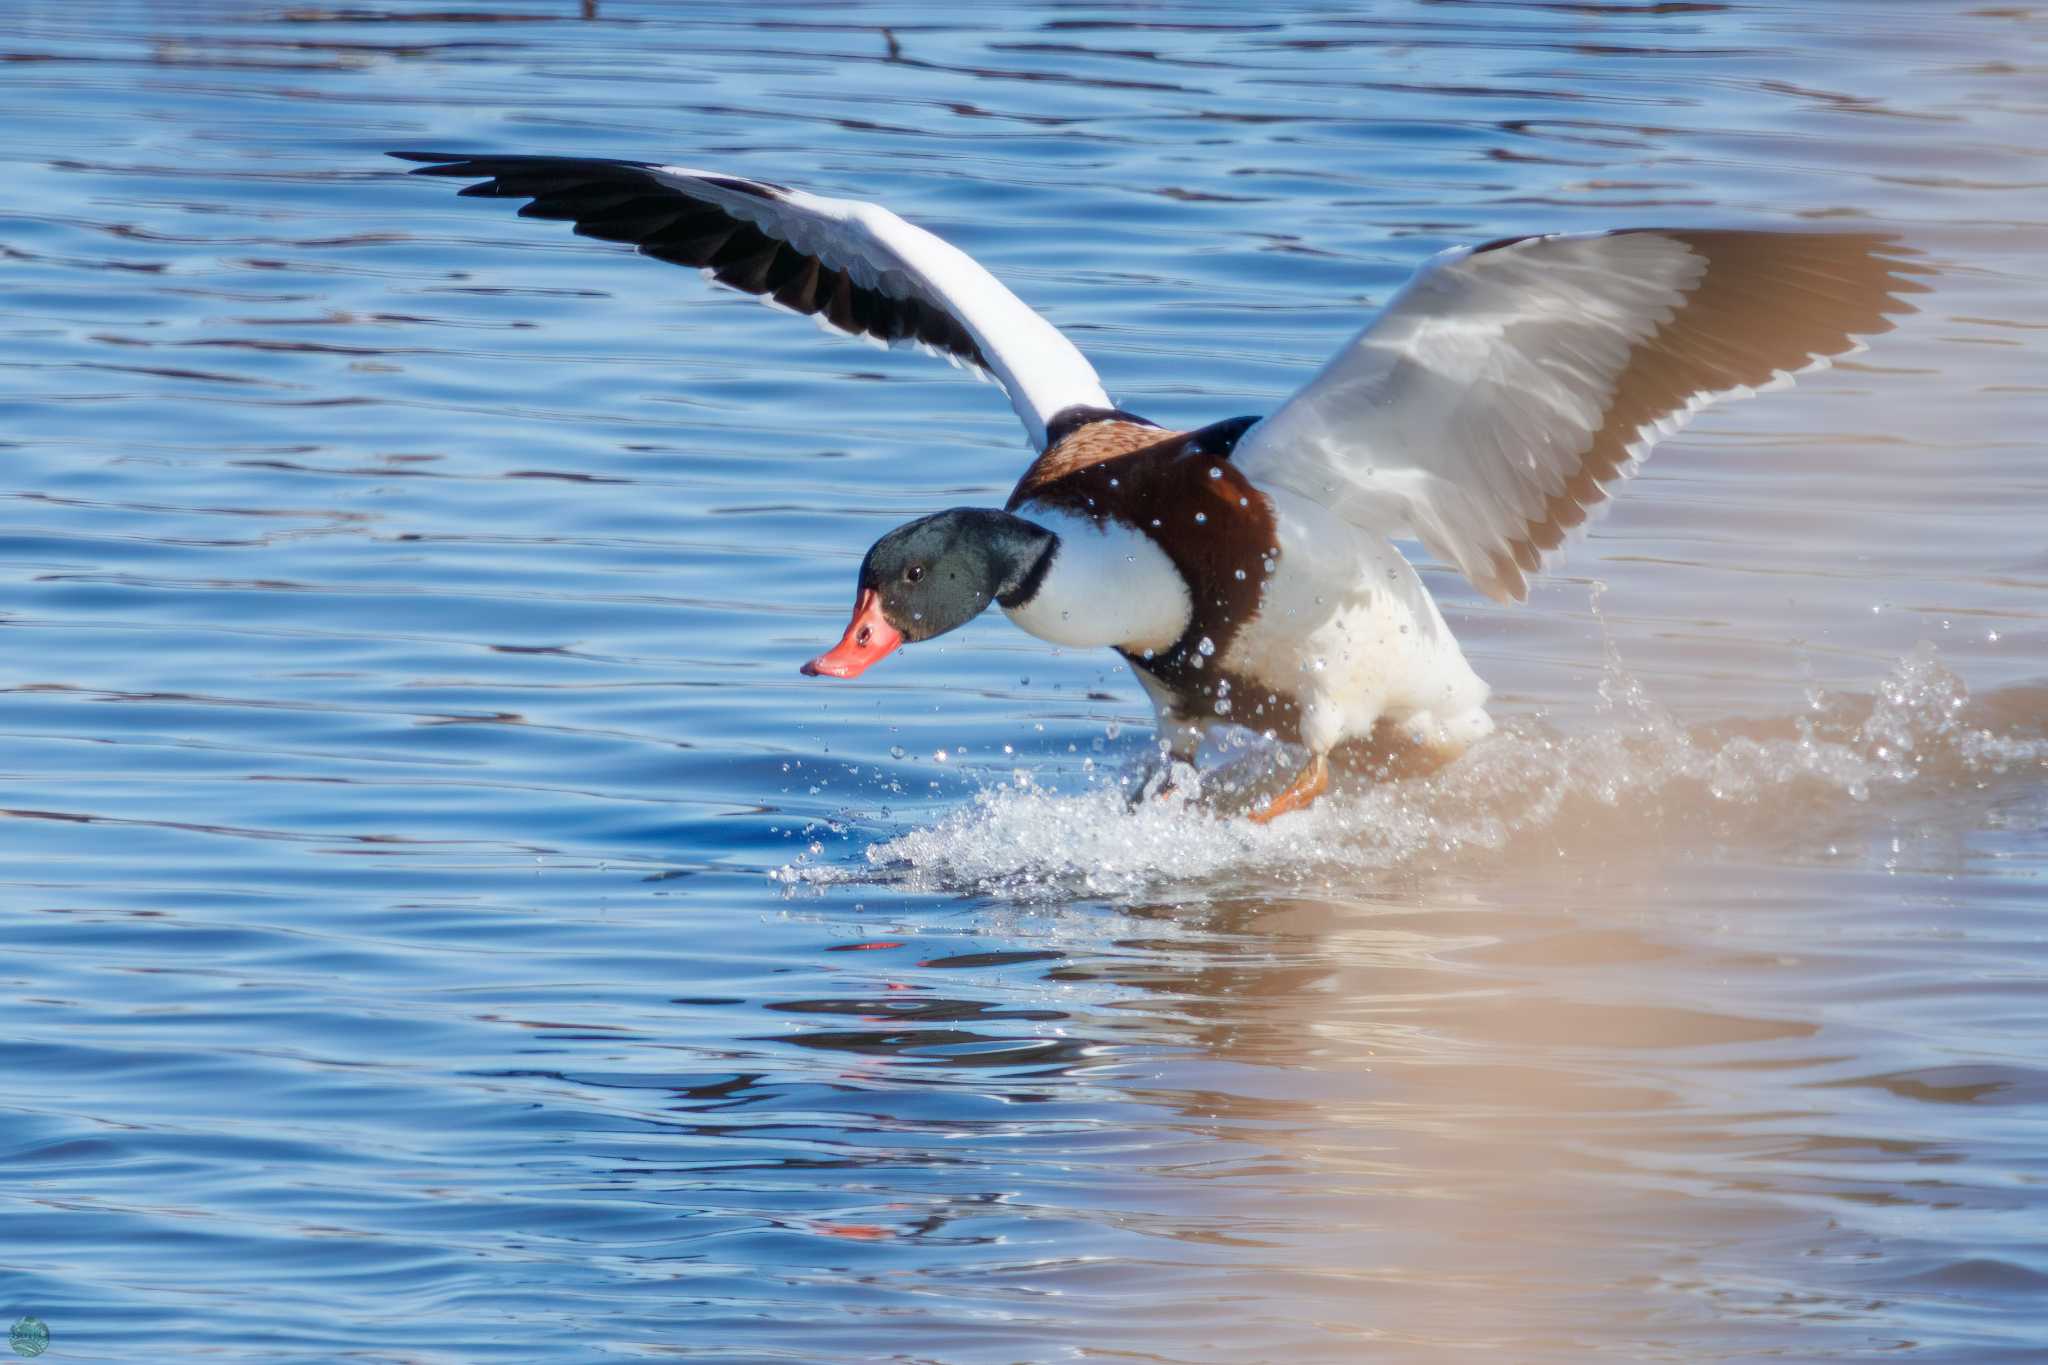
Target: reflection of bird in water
[{"x": 1246, "y": 570}]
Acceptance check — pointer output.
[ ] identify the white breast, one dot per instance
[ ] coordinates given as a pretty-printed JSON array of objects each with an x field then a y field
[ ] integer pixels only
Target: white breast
[{"x": 1109, "y": 584}]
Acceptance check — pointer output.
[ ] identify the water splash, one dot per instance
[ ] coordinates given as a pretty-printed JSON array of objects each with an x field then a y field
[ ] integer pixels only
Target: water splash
[{"x": 1638, "y": 776}]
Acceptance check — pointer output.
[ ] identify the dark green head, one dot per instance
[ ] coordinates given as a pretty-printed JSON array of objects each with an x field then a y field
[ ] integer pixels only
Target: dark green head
[{"x": 933, "y": 575}]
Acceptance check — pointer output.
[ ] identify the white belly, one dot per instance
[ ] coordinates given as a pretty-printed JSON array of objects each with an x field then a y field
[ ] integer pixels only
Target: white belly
[{"x": 1347, "y": 626}]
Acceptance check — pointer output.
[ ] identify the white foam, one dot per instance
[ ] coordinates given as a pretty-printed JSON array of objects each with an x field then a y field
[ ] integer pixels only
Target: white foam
[{"x": 1638, "y": 773}]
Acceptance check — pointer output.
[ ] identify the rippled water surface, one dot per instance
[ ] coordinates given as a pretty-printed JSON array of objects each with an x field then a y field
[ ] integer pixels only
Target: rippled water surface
[{"x": 442, "y": 926}]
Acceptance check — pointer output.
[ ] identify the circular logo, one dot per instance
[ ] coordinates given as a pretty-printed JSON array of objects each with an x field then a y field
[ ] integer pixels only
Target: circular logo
[{"x": 29, "y": 1337}]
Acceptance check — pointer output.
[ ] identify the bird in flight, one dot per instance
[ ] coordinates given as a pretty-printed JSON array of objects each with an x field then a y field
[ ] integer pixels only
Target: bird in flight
[{"x": 1246, "y": 570}]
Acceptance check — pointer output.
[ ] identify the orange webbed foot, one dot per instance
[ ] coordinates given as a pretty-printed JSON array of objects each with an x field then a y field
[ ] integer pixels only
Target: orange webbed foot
[{"x": 1308, "y": 784}]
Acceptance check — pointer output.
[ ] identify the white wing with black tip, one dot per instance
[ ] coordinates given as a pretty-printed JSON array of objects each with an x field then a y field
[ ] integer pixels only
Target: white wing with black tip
[
  {"x": 1488, "y": 404},
  {"x": 854, "y": 265}
]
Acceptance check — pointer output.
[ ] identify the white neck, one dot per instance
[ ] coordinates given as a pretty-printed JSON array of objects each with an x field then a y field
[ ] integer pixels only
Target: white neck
[{"x": 1108, "y": 584}]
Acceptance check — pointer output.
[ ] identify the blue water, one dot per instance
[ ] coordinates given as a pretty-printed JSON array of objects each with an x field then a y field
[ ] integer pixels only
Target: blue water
[{"x": 442, "y": 926}]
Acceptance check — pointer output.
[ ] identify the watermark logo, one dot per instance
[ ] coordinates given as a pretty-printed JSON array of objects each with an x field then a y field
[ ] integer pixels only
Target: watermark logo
[{"x": 29, "y": 1336}]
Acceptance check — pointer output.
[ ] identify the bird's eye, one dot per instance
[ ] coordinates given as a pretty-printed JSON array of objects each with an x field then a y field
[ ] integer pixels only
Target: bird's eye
[{"x": 913, "y": 573}]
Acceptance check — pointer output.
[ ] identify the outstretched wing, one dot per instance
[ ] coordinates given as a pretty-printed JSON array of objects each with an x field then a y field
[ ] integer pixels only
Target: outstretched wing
[
  {"x": 1486, "y": 407},
  {"x": 857, "y": 266}
]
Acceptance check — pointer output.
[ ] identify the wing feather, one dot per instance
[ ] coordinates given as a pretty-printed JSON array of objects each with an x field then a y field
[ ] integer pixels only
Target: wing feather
[
  {"x": 1488, "y": 406},
  {"x": 856, "y": 266}
]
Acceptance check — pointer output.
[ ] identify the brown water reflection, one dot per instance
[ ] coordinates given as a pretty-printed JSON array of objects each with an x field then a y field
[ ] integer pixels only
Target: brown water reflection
[{"x": 1469, "y": 1122}]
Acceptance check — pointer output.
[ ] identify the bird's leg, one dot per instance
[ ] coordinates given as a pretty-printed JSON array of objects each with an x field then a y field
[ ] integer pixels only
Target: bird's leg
[
  {"x": 1308, "y": 784},
  {"x": 1178, "y": 743}
]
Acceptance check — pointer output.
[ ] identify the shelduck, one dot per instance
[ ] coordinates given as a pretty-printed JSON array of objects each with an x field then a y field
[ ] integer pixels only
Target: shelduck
[{"x": 1246, "y": 570}]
